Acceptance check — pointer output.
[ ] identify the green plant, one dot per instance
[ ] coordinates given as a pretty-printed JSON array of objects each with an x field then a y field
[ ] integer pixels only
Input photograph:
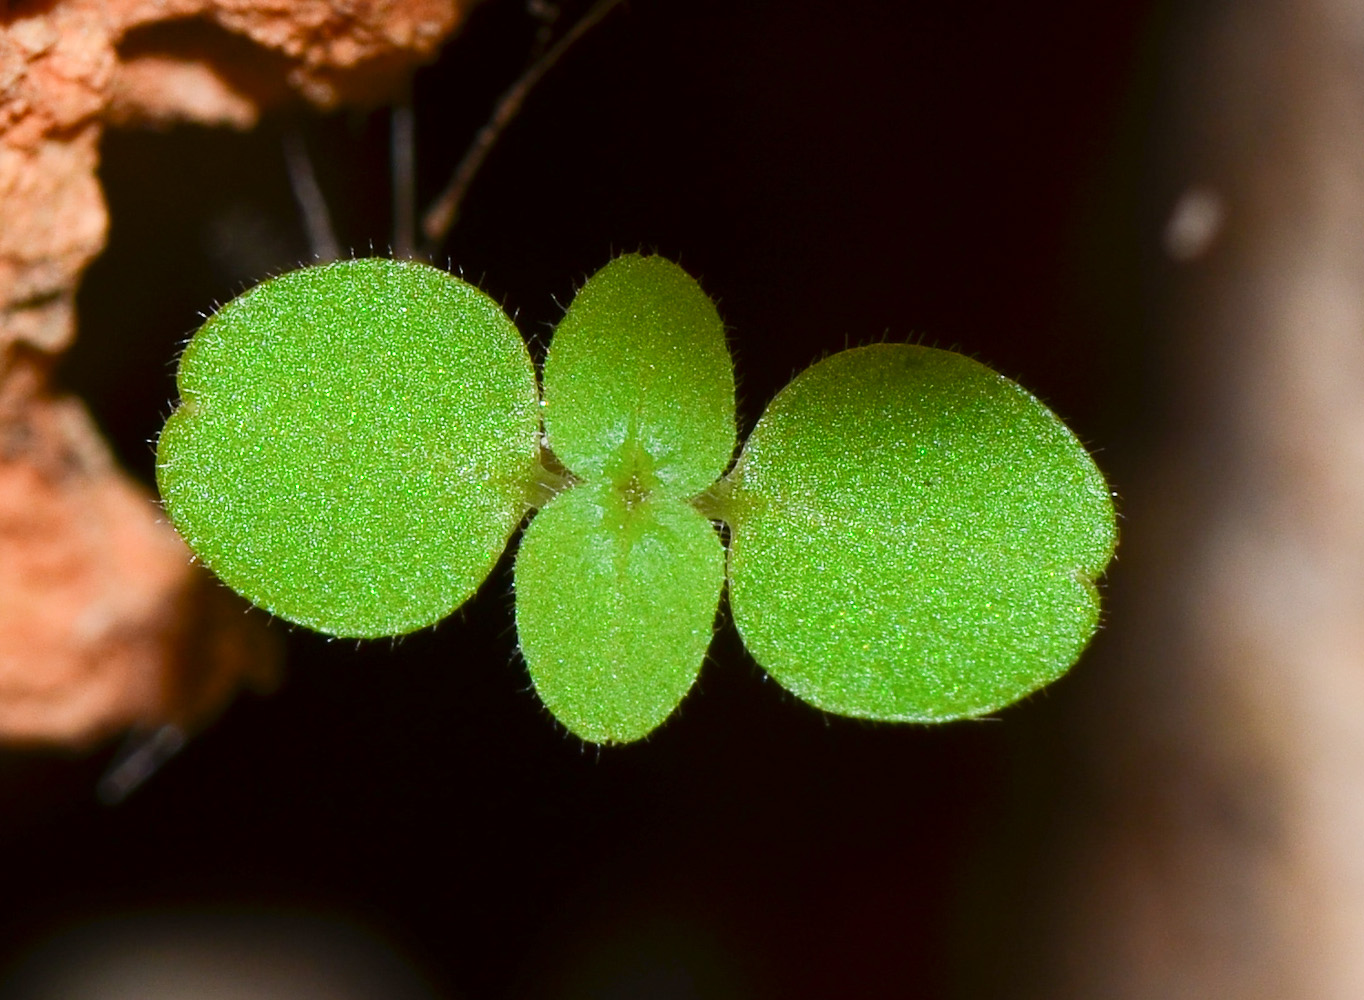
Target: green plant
[{"x": 911, "y": 535}]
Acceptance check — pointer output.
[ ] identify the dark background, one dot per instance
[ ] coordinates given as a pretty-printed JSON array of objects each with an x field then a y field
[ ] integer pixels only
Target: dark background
[{"x": 972, "y": 176}]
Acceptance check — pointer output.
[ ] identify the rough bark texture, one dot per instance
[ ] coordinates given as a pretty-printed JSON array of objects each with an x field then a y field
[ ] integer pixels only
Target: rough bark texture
[{"x": 97, "y": 594}]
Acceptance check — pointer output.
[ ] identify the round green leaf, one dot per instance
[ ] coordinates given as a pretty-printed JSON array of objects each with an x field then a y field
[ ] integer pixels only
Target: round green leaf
[
  {"x": 914, "y": 537},
  {"x": 638, "y": 371},
  {"x": 354, "y": 444},
  {"x": 615, "y": 606}
]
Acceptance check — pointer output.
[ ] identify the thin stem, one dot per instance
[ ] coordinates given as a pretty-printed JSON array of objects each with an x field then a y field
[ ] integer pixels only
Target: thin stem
[
  {"x": 317, "y": 220},
  {"x": 143, "y": 754},
  {"x": 403, "y": 163},
  {"x": 551, "y": 477},
  {"x": 716, "y": 503},
  {"x": 441, "y": 216}
]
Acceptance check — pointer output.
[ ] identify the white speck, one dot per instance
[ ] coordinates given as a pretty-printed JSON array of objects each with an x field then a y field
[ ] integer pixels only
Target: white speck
[{"x": 1194, "y": 224}]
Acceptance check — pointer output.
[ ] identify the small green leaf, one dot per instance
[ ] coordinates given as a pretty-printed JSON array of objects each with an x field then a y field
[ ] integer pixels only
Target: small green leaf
[
  {"x": 914, "y": 537},
  {"x": 615, "y": 606},
  {"x": 618, "y": 578},
  {"x": 354, "y": 445},
  {"x": 638, "y": 371}
]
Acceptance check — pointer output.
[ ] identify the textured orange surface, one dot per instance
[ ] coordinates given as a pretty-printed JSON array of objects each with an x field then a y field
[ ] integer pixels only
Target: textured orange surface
[
  {"x": 68, "y": 68},
  {"x": 104, "y": 622},
  {"x": 102, "y": 618}
]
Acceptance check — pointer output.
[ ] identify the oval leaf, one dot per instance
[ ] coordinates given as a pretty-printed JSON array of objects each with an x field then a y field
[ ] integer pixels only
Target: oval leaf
[
  {"x": 638, "y": 372},
  {"x": 914, "y": 537},
  {"x": 615, "y": 606},
  {"x": 354, "y": 445}
]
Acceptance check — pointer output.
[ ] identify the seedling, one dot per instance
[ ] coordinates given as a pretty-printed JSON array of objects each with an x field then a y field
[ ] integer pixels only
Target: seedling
[{"x": 911, "y": 536}]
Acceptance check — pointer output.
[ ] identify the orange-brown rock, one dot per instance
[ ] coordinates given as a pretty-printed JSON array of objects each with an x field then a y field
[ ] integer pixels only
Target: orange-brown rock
[
  {"x": 100, "y": 601},
  {"x": 104, "y": 623},
  {"x": 68, "y": 68}
]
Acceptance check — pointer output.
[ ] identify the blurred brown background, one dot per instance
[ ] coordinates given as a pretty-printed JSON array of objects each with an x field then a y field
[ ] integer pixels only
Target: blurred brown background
[{"x": 1150, "y": 214}]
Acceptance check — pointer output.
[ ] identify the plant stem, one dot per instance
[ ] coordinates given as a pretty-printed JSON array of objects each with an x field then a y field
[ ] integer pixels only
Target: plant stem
[{"x": 441, "y": 216}]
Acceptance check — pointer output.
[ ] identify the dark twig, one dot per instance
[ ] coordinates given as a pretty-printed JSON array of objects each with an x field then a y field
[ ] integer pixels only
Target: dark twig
[
  {"x": 311, "y": 202},
  {"x": 441, "y": 216},
  {"x": 403, "y": 160},
  {"x": 142, "y": 755}
]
